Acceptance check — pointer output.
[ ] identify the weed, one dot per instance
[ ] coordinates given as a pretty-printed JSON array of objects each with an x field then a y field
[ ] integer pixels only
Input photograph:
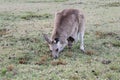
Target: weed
[
  {"x": 3, "y": 71},
  {"x": 106, "y": 61},
  {"x": 116, "y": 43}
]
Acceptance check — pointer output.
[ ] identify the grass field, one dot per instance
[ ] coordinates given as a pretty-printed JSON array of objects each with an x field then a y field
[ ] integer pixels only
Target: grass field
[{"x": 24, "y": 55}]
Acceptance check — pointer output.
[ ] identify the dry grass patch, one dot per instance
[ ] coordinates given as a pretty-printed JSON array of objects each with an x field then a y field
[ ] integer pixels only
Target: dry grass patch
[
  {"x": 100, "y": 34},
  {"x": 69, "y": 54},
  {"x": 4, "y": 31},
  {"x": 10, "y": 67},
  {"x": 43, "y": 60},
  {"x": 58, "y": 62},
  {"x": 90, "y": 52}
]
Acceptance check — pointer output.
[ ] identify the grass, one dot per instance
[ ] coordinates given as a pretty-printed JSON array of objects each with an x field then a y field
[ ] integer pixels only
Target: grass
[
  {"x": 24, "y": 16},
  {"x": 24, "y": 55},
  {"x": 113, "y": 4},
  {"x": 44, "y": 1}
]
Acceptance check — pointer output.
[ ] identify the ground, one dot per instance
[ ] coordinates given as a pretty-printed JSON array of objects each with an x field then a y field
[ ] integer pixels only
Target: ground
[{"x": 24, "y": 55}]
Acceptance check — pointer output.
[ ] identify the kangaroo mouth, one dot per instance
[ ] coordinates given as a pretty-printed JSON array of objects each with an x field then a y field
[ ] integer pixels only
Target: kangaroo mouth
[
  {"x": 70, "y": 39},
  {"x": 70, "y": 42}
]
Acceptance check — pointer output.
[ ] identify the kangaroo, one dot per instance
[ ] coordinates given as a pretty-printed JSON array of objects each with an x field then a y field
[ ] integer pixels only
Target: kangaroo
[{"x": 69, "y": 27}]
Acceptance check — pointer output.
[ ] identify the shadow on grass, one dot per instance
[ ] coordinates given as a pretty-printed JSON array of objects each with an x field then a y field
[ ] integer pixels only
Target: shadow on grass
[
  {"x": 36, "y": 16},
  {"x": 24, "y": 16}
]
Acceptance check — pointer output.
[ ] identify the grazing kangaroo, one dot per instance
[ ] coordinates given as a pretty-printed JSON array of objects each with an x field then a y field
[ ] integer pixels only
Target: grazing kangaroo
[{"x": 69, "y": 26}]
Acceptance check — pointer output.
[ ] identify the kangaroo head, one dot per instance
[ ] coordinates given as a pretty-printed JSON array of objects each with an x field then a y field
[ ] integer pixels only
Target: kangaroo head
[{"x": 54, "y": 45}]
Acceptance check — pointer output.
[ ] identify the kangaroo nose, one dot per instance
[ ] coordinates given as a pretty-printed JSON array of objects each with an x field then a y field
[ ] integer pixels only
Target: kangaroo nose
[{"x": 55, "y": 57}]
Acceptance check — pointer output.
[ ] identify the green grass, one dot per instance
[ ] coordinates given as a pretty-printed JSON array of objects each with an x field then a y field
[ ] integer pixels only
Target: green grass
[{"x": 24, "y": 55}]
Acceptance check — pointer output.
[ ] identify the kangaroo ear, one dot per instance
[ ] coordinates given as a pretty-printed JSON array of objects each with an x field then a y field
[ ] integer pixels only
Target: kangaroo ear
[{"x": 47, "y": 38}]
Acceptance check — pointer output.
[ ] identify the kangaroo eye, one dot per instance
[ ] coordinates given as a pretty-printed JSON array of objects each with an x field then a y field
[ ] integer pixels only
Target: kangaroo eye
[{"x": 57, "y": 50}]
